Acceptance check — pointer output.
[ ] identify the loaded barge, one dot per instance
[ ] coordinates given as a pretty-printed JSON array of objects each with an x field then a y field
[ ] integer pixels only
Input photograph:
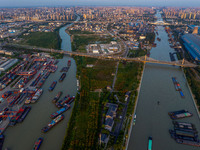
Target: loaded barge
[
  {"x": 179, "y": 114},
  {"x": 62, "y": 77},
  {"x": 36, "y": 96},
  {"x": 52, "y": 86},
  {"x": 53, "y": 123},
  {"x": 177, "y": 86},
  {"x": 37, "y": 144},
  {"x": 59, "y": 112},
  {"x": 56, "y": 98}
]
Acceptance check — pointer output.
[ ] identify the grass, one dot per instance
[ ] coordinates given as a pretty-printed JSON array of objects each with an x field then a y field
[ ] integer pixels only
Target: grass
[
  {"x": 137, "y": 53},
  {"x": 42, "y": 39}
]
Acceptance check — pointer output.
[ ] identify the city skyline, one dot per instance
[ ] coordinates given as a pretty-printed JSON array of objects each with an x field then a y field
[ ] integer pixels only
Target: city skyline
[{"x": 37, "y": 3}]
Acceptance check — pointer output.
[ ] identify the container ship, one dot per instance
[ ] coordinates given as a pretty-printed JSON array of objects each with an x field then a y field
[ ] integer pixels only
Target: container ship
[
  {"x": 36, "y": 96},
  {"x": 150, "y": 141},
  {"x": 62, "y": 77},
  {"x": 179, "y": 114},
  {"x": 52, "y": 86},
  {"x": 37, "y": 144},
  {"x": 53, "y": 123},
  {"x": 59, "y": 112},
  {"x": 56, "y": 98}
]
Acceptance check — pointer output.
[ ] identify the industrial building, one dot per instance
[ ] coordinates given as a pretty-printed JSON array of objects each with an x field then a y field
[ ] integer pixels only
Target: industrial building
[
  {"x": 192, "y": 45},
  {"x": 8, "y": 64}
]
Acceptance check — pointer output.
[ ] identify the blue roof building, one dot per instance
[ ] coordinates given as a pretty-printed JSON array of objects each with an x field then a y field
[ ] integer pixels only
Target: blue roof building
[{"x": 192, "y": 45}]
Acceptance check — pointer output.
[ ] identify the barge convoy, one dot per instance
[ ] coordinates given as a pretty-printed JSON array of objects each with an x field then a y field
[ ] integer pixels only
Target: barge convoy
[
  {"x": 53, "y": 123},
  {"x": 185, "y": 133},
  {"x": 37, "y": 144}
]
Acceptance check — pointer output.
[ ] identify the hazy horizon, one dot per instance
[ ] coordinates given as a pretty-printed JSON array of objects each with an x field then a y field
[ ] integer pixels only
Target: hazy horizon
[{"x": 54, "y": 3}]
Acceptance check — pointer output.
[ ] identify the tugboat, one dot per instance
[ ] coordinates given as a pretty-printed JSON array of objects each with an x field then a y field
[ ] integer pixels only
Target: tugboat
[
  {"x": 53, "y": 123},
  {"x": 38, "y": 143},
  {"x": 150, "y": 143},
  {"x": 52, "y": 86}
]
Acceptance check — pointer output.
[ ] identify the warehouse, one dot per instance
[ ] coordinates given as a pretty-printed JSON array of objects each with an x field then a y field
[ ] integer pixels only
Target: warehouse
[
  {"x": 8, "y": 64},
  {"x": 192, "y": 45}
]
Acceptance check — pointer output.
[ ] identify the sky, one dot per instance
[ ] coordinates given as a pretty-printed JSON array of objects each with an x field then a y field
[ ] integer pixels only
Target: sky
[{"x": 29, "y": 3}]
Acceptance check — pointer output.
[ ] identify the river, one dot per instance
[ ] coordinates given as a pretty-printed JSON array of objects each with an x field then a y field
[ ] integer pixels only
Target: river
[
  {"x": 152, "y": 119},
  {"x": 23, "y": 136}
]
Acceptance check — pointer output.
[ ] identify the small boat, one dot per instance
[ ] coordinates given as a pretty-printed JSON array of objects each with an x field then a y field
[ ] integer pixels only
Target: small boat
[
  {"x": 69, "y": 63},
  {"x": 38, "y": 144},
  {"x": 150, "y": 141},
  {"x": 134, "y": 119},
  {"x": 27, "y": 101}
]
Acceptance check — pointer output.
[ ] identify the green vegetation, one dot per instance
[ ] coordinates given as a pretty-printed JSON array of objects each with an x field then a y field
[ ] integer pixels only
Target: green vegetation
[
  {"x": 85, "y": 123},
  {"x": 57, "y": 55},
  {"x": 137, "y": 53},
  {"x": 42, "y": 39},
  {"x": 194, "y": 83},
  {"x": 80, "y": 42},
  {"x": 150, "y": 37},
  {"x": 79, "y": 32}
]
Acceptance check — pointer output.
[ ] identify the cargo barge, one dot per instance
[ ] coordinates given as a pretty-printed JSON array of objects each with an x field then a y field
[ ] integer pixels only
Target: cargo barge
[
  {"x": 62, "y": 77},
  {"x": 66, "y": 100},
  {"x": 52, "y": 86},
  {"x": 64, "y": 69},
  {"x": 37, "y": 144},
  {"x": 53, "y": 123},
  {"x": 56, "y": 98},
  {"x": 23, "y": 116},
  {"x": 178, "y": 87},
  {"x": 36, "y": 96},
  {"x": 59, "y": 112},
  {"x": 184, "y": 125},
  {"x": 179, "y": 114}
]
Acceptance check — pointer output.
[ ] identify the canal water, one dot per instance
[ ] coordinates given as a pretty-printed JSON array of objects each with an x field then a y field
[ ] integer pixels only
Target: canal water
[
  {"x": 152, "y": 119},
  {"x": 23, "y": 136}
]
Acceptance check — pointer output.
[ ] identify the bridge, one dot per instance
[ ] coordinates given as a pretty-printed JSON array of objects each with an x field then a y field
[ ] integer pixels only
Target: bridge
[
  {"x": 161, "y": 23},
  {"x": 143, "y": 59}
]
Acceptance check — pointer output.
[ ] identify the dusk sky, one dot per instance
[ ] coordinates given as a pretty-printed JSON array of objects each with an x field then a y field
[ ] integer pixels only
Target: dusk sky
[{"x": 23, "y": 3}]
